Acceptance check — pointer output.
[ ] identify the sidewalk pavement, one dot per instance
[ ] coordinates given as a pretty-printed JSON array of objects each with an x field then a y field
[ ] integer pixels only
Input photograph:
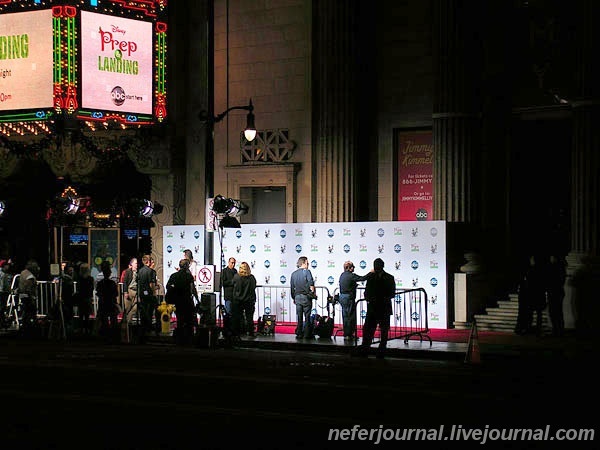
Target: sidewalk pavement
[{"x": 487, "y": 347}]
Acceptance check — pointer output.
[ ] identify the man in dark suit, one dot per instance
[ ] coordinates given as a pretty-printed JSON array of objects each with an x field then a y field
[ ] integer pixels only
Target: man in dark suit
[
  {"x": 148, "y": 301},
  {"x": 379, "y": 291}
]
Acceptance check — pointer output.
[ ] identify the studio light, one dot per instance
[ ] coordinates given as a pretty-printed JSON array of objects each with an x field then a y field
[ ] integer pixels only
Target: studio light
[
  {"x": 227, "y": 209},
  {"x": 229, "y": 222},
  {"x": 71, "y": 205},
  {"x": 2, "y": 207},
  {"x": 229, "y": 206},
  {"x": 143, "y": 208},
  {"x": 147, "y": 208}
]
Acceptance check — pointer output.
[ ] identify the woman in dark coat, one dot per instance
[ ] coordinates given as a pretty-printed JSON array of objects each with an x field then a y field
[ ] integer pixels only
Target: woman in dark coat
[{"x": 244, "y": 300}]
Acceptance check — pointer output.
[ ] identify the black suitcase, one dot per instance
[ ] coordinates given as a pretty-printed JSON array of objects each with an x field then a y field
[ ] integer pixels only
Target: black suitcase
[{"x": 324, "y": 325}]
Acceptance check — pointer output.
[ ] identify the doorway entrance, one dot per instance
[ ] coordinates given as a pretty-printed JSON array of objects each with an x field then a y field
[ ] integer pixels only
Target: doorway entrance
[
  {"x": 266, "y": 204},
  {"x": 540, "y": 185}
]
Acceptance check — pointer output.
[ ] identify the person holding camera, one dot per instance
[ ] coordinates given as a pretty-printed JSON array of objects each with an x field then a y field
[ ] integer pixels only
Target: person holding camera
[
  {"x": 302, "y": 288},
  {"x": 348, "y": 284}
]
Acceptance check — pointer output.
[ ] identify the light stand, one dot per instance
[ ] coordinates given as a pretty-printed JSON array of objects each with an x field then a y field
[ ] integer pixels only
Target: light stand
[
  {"x": 226, "y": 210},
  {"x": 221, "y": 306}
]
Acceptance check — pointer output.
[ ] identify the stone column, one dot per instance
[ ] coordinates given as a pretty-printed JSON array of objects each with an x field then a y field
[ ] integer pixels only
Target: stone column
[
  {"x": 456, "y": 114},
  {"x": 335, "y": 124},
  {"x": 585, "y": 162},
  {"x": 456, "y": 129},
  {"x": 163, "y": 193},
  {"x": 152, "y": 156}
]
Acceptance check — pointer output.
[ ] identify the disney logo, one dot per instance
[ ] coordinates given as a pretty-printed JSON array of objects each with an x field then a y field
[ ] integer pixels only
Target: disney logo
[{"x": 116, "y": 29}]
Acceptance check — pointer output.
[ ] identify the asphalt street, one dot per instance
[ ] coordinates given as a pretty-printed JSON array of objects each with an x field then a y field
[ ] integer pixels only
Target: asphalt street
[{"x": 92, "y": 395}]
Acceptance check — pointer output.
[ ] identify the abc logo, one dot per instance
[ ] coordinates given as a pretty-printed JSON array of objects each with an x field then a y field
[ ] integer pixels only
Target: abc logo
[
  {"x": 421, "y": 214},
  {"x": 117, "y": 95}
]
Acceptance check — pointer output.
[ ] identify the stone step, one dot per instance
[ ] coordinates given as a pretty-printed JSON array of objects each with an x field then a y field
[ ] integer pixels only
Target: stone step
[
  {"x": 508, "y": 304},
  {"x": 496, "y": 327},
  {"x": 501, "y": 312}
]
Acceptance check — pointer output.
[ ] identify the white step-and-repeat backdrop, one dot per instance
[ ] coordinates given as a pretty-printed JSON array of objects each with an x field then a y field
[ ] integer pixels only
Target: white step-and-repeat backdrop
[{"x": 413, "y": 252}]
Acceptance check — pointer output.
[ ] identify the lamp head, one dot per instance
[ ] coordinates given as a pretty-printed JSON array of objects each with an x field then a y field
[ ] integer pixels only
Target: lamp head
[{"x": 250, "y": 131}]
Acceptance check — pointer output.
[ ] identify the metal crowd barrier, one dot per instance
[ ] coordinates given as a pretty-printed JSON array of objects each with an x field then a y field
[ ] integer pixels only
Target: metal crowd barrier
[
  {"x": 48, "y": 294},
  {"x": 409, "y": 318},
  {"x": 409, "y": 315},
  {"x": 278, "y": 301}
]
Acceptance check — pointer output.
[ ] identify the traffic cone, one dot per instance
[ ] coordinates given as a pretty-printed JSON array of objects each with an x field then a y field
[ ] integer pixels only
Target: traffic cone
[{"x": 473, "y": 355}]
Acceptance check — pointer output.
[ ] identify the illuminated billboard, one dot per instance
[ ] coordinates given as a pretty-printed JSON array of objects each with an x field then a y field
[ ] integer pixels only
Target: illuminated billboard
[
  {"x": 26, "y": 60},
  {"x": 99, "y": 61},
  {"x": 116, "y": 64}
]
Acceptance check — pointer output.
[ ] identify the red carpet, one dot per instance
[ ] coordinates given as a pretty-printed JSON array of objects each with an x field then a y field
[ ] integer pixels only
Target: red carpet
[{"x": 436, "y": 334}]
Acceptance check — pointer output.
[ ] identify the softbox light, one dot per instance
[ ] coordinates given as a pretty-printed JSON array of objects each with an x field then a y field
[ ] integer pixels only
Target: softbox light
[
  {"x": 147, "y": 208},
  {"x": 229, "y": 206},
  {"x": 71, "y": 205}
]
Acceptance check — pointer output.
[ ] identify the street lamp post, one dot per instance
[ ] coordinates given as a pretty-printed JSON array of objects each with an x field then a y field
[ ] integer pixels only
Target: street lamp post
[
  {"x": 249, "y": 134},
  {"x": 210, "y": 119}
]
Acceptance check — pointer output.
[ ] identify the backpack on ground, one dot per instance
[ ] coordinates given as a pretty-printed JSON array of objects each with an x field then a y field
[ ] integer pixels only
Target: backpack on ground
[
  {"x": 324, "y": 325},
  {"x": 266, "y": 325}
]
